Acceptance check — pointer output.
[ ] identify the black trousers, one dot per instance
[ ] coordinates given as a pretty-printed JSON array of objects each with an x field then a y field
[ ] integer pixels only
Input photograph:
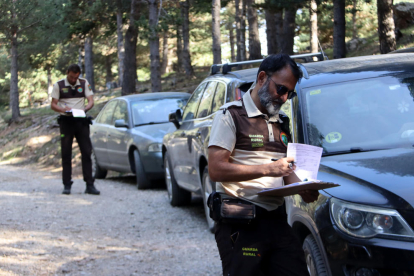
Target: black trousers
[
  {"x": 266, "y": 246},
  {"x": 79, "y": 128}
]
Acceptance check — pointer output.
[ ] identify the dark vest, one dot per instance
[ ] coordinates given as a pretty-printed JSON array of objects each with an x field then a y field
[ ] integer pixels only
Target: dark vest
[
  {"x": 252, "y": 134},
  {"x": 67, "y": 92}
]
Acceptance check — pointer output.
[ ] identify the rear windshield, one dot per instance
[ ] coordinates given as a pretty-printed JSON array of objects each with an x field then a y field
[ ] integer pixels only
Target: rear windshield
[
  {"x": 365, "y": 114},
  {"x": 155, "y": 110}
]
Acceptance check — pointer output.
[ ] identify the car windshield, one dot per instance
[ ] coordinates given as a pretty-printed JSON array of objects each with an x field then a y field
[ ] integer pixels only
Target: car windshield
[
  {"x": 361, "y": 115},
  {"x": 155, "y": 111}
]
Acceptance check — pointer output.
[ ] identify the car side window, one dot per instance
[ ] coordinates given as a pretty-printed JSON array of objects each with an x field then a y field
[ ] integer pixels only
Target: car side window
[
  {"x": 218, "y": 100},
  {"x": 107, "y": 112},
  {"x": 192, "y": 105},
  {"x": 205, "y": 103},
  {"x": 121, "y": 112}
]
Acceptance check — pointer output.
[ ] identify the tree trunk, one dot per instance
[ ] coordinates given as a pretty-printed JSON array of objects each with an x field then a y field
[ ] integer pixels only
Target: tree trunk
[
  {"x": 186, "y": 38},
  {"x": 80, "y": 59},
  {"x": 179, "y": 48},
  {"x": 120, "y": 40},
  {"x": 89, "y": 74},
  {"x": 49, "y": 84},
  {"x": 313, "y": 26},
  {"x": 154, "y": 43},
  {"x": 14, "y": 79},
  {"x": 108, "y": 67},
  {"x": 354, "y": 23},
  {"x": 274, "y": 31},
  {"x": 339, "y": 29},
  {"x": 215, "y": 12},
  {"x": 165, "y": 52},
  {"x": 231, "y": 37},
  {"x": 130, "y": 61},
  {"x": 241, "y": 29},
  {"x": 289, "y": 26},
  {"x": 386, "y": 26},
  {"x": 254, "y": 39}
]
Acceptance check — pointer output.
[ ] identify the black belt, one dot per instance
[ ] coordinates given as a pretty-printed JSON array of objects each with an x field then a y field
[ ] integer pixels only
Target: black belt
[{"x": 263, "y": 213}]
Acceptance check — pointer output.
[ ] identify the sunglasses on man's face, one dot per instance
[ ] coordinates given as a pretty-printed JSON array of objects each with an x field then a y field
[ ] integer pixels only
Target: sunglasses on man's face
[{"x": 282, "y": 90}]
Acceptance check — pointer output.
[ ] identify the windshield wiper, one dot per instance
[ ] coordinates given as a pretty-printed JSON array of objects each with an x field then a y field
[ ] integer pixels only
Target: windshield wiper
[
  {"x": 151, "y": 123},
  {"x": 351, "y": 150}
]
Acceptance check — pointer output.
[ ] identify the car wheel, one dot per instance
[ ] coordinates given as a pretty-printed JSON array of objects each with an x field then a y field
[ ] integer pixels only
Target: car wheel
[
  {"x": 142, "y": 180},
  {"x": 176, "y": 195},
  {"x": 313, "y": 257},
  {"x": 97, "y": 172},
  {"x": 207, "y": 190}
]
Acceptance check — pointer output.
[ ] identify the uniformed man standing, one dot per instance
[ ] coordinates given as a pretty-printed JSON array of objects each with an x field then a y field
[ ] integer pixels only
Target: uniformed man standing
[
  {"x": 69, "y": 93},
  {"x": 246, "y": 135}
]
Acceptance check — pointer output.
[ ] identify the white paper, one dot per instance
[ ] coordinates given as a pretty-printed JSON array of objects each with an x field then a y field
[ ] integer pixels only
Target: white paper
[
  {"x": 79, "y": 113},
  {"x": 307, "y": 160}
]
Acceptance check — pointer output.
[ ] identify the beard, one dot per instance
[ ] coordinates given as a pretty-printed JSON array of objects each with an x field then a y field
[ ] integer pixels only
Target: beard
[{"x": 272, "y": 106}]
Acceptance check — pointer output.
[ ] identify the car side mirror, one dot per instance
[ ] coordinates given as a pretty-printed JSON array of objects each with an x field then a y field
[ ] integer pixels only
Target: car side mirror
[
  {"x": 175, "y": 118},
  {"x": 121, "y": 123}
]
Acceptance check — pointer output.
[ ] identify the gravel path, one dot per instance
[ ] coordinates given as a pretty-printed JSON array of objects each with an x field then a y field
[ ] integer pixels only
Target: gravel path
[{"x": 121, "y": 232}]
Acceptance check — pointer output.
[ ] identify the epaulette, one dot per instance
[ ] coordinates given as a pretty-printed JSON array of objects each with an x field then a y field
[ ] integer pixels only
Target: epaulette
[{"x": 229, "y": 105}]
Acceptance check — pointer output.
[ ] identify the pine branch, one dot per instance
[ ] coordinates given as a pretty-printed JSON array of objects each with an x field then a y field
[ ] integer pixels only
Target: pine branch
[{"x": 27, "y": 27}]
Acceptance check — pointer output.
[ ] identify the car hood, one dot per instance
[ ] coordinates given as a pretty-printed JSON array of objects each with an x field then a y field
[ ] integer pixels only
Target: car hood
[
  {"x": 153, "y": 132},
  {"x": 383, "y": 177}
]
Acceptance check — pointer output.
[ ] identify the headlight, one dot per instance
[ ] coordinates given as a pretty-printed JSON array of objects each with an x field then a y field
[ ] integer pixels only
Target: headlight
[
  {"x": 155, "y": 147},
  {"x": 364, "y": 221}
]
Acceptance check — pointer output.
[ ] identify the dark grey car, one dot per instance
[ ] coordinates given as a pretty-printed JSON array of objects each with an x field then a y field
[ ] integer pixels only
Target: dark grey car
[{"x": 127, "y": 134}]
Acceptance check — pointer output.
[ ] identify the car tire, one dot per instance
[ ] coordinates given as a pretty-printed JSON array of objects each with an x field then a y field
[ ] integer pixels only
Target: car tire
[
  {"x": 176, "y": 195},
  {"x": 142, "y": 180},
  {"x": 97, "y": 171},
  {"x": 313, "y": 257},
  {"x": 207, "y": 190}
]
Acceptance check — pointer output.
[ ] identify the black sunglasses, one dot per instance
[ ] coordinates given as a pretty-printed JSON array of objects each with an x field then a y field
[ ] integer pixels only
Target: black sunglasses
[{"x": 282, "y": 90}]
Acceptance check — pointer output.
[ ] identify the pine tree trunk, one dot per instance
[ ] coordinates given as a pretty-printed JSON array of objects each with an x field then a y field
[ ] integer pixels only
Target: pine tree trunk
[
  {"x": 186, "y": 39},
  {"x": 49, "y": 84},
  {"x": 154, "y": 43},
  {"x": 231, "y": 37},
  {"x": 274, "y": 31},
  {"x": 165, "y": 52},
  {"x": 289, "y": 26},
  {"x": 354, "y": 23},
  {"x": 108, "y": 67},
  {"x": 215, "y": 12},
  {"x": 80, "y": 58},
  {"x": 339, "y": 29},
  {"x": 254, "y": 39},
  {"x": 241, "y": 29},
  {"x": 89, "y": 72},
  {"x": 14, "y": 79},
  {"x": 130, "y": 61},
  {"x": 120, "y": 41},
  {"x": 179, "y": 48},
  {"x": 386, "y": 26},
  {"x": 313, "y": 26}
]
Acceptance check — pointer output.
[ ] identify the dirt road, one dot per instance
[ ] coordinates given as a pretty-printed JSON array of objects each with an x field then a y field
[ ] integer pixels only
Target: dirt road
[{"x": 121, "y": 232}]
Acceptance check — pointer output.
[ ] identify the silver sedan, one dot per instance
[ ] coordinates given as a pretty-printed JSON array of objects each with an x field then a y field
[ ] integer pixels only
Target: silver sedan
[{"x": 127, "y": 135}]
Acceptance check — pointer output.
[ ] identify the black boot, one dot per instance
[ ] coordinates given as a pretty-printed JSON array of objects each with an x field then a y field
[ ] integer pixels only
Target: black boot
[
  {"x": 66, "y": 189},
  {"x": 90, "y": 189}
]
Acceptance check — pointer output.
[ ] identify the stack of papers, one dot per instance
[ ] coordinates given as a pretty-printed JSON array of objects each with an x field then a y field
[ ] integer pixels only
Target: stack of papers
[{"x": 79, "y": 113}]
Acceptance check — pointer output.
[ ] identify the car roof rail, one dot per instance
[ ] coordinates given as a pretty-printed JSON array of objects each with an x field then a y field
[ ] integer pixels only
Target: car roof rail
[{"x": 226, "y": 67}]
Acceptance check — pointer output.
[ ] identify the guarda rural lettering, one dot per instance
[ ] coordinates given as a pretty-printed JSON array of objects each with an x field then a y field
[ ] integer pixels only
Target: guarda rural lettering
[
  {"x": 257, "y": 140},
  {"x": 249, "y": 251}
]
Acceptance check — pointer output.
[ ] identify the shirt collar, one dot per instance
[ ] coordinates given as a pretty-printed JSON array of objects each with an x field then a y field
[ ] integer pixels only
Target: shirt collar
[
  {"x": 68, "y": 84},
  {"x": 253, "y": 111}
]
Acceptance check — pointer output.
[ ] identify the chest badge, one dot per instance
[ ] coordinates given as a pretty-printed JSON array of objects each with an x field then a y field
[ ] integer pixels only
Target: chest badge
[
  {"x": 284, "y": 138},
  {"x": 80, "y": 90}
]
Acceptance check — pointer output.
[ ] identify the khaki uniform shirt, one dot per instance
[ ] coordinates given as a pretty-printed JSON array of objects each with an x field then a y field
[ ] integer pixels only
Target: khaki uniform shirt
[
  {"x": 223, "y": 134},
  {"x": 75, "y": 103}
]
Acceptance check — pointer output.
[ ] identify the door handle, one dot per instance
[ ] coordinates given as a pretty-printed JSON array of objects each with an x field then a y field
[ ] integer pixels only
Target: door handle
[{"x": 182, "y": 134}]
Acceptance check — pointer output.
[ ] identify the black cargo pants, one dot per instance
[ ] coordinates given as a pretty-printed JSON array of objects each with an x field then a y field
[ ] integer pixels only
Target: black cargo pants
[
  {"x": 79, "y": 128},
  {"x": 266, "y": 246}
]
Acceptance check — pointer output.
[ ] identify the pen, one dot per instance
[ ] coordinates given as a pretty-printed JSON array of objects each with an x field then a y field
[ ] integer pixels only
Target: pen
[{"x": 290, "y": 163}]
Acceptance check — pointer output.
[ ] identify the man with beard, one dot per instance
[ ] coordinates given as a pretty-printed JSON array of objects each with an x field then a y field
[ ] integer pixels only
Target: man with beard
[{"x": 246, "y": 135}]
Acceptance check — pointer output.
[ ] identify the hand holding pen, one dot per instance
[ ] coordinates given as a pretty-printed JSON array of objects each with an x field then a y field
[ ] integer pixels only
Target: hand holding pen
[
  {"x": 291, "y": 164},
  {"x": 282, "y": 167}
]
